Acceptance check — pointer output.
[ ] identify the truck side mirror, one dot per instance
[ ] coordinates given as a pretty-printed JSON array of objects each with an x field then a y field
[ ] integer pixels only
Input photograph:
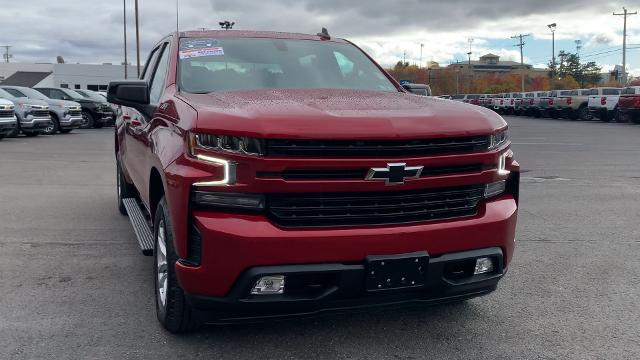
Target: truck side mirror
[{"x": 131, "y": 93}]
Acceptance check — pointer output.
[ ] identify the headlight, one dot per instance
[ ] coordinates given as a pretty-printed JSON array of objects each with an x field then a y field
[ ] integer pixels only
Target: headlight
[
  {"x": 225, "y": 143},
  {"x": 498, "y": 139}
]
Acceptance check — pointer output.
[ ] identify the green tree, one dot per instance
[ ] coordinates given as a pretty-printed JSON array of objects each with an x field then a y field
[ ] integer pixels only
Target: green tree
[{"x": 569, "y": 65}]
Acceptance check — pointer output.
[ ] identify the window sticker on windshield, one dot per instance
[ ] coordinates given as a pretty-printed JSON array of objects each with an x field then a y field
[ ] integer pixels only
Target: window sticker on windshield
[{"x": 200, "y": 52}]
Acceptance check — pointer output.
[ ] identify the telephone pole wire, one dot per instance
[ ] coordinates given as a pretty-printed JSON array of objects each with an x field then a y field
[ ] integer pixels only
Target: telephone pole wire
[
  {"x": 521, "y": 45},
  {"x": 626, "y": 14}
]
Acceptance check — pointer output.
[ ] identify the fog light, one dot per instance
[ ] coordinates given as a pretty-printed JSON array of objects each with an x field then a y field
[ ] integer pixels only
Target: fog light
[
  {"x": 493, "y": 189},
  {"x": 483, "y": 265},
  {"x": 269, "y": 285}
]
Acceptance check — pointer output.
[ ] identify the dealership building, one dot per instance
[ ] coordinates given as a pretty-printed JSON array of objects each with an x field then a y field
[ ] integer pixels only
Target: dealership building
[{"x": 72, "y": 76}]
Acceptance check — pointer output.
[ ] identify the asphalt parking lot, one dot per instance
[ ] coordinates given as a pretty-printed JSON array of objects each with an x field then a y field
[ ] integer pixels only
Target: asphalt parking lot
[{"x": 74, "y": 285}]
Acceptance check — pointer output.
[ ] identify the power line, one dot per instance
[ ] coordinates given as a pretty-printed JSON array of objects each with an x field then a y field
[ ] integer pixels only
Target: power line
[
  {"x": 521, "y": 46},
  {"x": 626, "y": 14}
]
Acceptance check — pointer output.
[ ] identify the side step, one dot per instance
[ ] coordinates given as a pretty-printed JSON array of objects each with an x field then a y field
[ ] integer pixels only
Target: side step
[{"x": 140, "y": 226}]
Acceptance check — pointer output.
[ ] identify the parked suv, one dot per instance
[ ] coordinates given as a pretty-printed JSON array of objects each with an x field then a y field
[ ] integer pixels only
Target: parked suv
[
  {"x": 273, "y": 174},
  {"x": 92, "y": 95},
  {"x": 629, "y": 104},
  {"x": 603, "y": 103},
  {"x": 8, "y": 120},
  {"x": 33, "y": 115},
  {"x": 95, "y": 113},
  {"x": 65, "y": 115}
]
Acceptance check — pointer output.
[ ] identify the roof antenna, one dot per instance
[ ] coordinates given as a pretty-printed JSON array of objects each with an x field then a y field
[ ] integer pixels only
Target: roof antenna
[{"x": 324, "y": 35}]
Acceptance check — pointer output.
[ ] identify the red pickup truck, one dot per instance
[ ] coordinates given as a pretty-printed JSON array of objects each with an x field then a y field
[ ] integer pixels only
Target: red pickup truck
[
  {"x": 629, "y": 104},
  {"x": 277, "y": 174}
]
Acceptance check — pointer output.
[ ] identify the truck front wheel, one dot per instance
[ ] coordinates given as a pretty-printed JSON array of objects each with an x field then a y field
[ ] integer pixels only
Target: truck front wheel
[{"x": 174, "y": 313}]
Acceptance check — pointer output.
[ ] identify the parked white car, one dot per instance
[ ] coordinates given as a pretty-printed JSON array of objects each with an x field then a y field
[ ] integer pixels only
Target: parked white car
[{"x": 603, "y": 103}]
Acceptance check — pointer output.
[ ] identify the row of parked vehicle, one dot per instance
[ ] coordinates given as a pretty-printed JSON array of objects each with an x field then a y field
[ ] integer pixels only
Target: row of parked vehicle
[
  {"x": 603, "y": 103},
  {"x": 36, "y": 111}
]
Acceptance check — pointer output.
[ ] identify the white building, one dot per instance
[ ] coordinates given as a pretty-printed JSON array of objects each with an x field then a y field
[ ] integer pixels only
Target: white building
[{"x": 72, "y": 76}]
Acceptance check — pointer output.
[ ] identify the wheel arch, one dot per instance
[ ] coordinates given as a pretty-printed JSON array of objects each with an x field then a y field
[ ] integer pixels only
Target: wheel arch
[{"x": 156, "y": 190}]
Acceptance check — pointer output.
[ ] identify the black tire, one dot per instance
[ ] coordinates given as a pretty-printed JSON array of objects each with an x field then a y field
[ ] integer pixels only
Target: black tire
[
  {"x": 583, "y": 113},
  {"x": 616, "y": 117},
  {"x": 635, "y": 119},
  {"x": 65, "y": 131},
  {"x": 553, "y": 114},
  {"x": 15, "y": 132},
  {"x": 2, "y": 136},
  {"x": 87, "y": 120},
  {"x": 54, "y": 127},
  {"x": 604, "y": 116},
  {"x": 31, "y": 133},
  {"x": 124, "y": 189},
  {"x": 174, "y": 313}
]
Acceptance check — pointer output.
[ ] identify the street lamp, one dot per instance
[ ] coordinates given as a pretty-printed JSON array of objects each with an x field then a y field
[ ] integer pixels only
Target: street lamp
[{"x": 552, "y": 27}]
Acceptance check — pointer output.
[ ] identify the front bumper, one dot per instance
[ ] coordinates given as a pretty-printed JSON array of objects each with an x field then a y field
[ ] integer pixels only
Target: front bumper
[
  {"x": 35, "y": 124},
  {"x": 7, "y": 125},
  {"x": 71, "y": 122},
  {"x": 233, "y": 243},
  {"x": 337, "y": 287},
  {"x": 104, "y": 117}
]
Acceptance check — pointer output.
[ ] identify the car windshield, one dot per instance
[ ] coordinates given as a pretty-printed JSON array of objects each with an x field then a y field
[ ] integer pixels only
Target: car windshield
[
  {"x": 27, "y": 92},
  {"x": 208, "y": 64},
  {"x": 90, "y": 95},
  {"x": 15, "y": 93},
  {"x": 5, "y": 95},
  {"x": 629, "y": 90},
  {"x": 74, "y": 94}
]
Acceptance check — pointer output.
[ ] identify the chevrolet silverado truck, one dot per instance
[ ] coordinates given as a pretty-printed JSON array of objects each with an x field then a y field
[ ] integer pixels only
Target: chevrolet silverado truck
[
  {"x": 95, "y": 113},
  {"x": 278, "y": 174},
  {"x": 575, "y": 105},
  {"x": 603, "y": 103},
  {"x": 629, "y": 104},
  {"x": 33, "y": 115},
  {"x": 65, "y": 115},
  {"x": 8, "y": 120}
]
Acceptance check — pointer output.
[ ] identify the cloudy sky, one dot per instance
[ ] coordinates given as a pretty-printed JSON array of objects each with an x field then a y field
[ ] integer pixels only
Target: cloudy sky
[{"x": 90, "y": 31}]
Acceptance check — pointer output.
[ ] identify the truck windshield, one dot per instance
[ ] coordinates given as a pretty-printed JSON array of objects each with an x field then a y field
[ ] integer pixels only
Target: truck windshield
[
  {"x": 207, "y": 65},
  {"x": 27, "y": 92}
]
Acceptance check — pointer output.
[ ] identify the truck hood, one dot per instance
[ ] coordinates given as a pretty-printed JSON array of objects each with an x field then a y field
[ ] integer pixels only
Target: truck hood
[{"x": 336, "y": 114}]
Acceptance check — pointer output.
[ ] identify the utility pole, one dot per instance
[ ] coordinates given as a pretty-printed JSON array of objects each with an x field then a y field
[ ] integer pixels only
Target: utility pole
[
  {"x": 421, "y": 47},
  {"x": 578, "y": 46},
  {"x": 6, "y": 54},
  {"x": 124, "y": 6},
  {"x": 137, "y": 41},
  {"x": 626, "y": 14},
  {"x": 521, "y": 46},
  {"x": 404, "y": 57}
]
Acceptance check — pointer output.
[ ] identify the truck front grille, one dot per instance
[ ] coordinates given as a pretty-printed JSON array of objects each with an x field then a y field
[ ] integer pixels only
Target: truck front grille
[
  {"x": 344, "y": 174},
  {"x": 373, "y": 208},
  {"x": 6, "y": 113},
  {"x": 376, "y": 148},
  {"x": 75, "y": 113},
  {"x": 40, "y": 113}
]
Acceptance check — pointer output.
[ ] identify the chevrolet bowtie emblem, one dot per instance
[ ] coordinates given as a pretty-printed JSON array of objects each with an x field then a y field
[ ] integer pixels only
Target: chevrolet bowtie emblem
[{"x": 394, "y": 173}]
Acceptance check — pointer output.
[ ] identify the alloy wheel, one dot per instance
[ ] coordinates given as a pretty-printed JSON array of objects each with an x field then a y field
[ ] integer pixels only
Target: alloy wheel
[{"x": 161, "y": 265}]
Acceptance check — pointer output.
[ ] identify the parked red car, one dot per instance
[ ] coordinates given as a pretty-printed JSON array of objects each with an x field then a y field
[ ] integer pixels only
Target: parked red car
[
  {"x": 276, "y": 174},
  {"x": 629, "y": 104}
]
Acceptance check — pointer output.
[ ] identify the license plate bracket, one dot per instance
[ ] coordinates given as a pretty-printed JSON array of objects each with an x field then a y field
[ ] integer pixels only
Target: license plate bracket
[{"x": 396, "y": 271}]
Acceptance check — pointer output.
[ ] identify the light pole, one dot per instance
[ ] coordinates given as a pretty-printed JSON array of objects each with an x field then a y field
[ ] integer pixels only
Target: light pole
[
  {"x": 421, "y": 47},
  {"x": 552, "y": 27},
  {"x": 125, "y": 38},
  {"x": 137, "y": 41}
]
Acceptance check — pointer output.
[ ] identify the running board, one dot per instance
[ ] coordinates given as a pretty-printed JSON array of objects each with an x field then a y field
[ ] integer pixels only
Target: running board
[{"x": 140, "y": 226}]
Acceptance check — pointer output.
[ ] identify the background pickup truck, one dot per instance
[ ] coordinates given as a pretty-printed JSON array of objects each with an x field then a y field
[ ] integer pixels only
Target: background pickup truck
[
  {"x": 8, "y": 120},
  {"x": 575, "y": 105},
  {"x": 540, "y": 104},
  {"x": 603, "y": 103},
  {"x": 629, "y": 104},
  {"x": 556, "y": 95}
]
